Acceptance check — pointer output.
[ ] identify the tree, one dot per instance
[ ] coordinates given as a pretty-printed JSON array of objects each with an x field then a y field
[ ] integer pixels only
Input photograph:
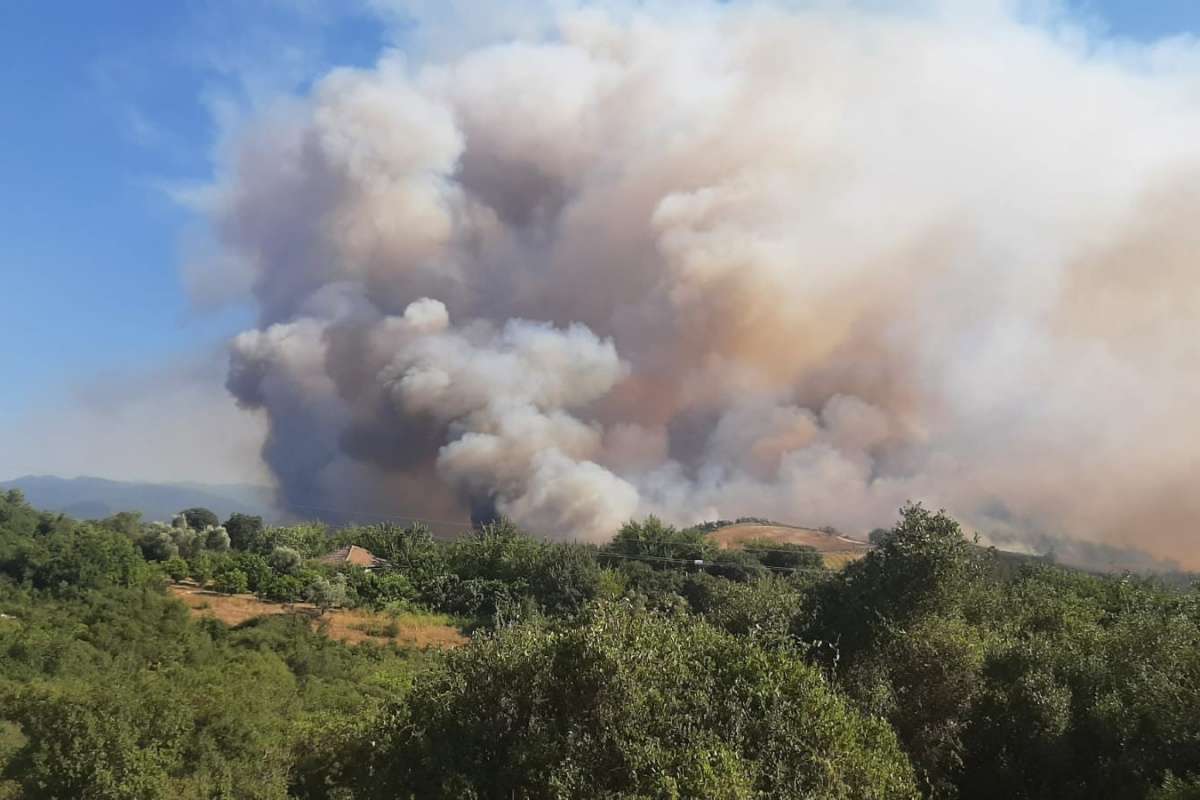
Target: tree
[
  {"x": 231, "y": 581},
  {"x": 784, "y": 555},
  {"x": 176, "y": 568},
  {"x": 95, "y": 742},
  {"x": 87, "y": 557},
  {"x": 285, "y": 560},
  {"x": 410, "y": 549},
  {"x": 216, "y": 539},
  {"x": 327, "y": 593},
  {"x": 656, "y": 539},
  {"x": 157, "y": 544},
  {"x": 244, "y": 530},
  {"x": 926, "y": 567},
  {"x": 308, "y": 539},
  {"x": 187, "y": 541},
  {"x": 199, "y": 518},
  {"x": 565, "y": 577},
  {"x": 201, "y": 568},
  {"x": 126, "y": 522},
  {"x": 628, "y": 704}
]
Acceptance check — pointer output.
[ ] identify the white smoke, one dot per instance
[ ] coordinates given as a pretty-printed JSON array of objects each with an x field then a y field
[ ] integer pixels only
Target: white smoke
[{"x": 800, "y": 263}]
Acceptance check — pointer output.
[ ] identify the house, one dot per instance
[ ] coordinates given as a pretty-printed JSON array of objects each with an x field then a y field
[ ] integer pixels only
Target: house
[{"x": 353, "y": 554}]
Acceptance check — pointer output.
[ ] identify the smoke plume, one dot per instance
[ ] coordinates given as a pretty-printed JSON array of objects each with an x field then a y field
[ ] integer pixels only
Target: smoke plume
[{"x": 707, "y": 262}]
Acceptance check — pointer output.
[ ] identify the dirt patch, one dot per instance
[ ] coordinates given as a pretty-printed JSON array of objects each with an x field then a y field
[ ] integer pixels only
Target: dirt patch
[
  {"x": 836, "y": 550},
  {"x": 409, "y": 630}
]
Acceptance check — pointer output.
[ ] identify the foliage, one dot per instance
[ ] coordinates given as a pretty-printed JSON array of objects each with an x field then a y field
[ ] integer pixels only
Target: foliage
[
  {"x": 199, "y": 519},
  {"x": 411, "y": 550},
  {"x": 231, "y": 581},
  {"x": 285, "y": 560},
  {"x": 309, "y": 539},
  {"x": 930, "y": 665},
  {"x": 216, "y": 539},
  {"x": 326, "y": 593},
  {"x": 784, "y": 555},
  {"x": 628, "y": 704},
  {"x": 654, "y": 539},
  {"x": 244, "y": 530},
  {"x": 176, "y": 568}
]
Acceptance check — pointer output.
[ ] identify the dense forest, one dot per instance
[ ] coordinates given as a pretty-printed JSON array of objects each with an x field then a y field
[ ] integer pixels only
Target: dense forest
[{"x": 652, "y": 667}]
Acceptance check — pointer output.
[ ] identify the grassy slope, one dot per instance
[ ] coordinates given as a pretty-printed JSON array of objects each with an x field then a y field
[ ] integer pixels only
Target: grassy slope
[{"x": 836, "y": 550}]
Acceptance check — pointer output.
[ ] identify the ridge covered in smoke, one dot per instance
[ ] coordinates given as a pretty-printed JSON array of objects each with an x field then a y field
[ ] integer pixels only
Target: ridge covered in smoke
[{"x": 802, "y": 263}]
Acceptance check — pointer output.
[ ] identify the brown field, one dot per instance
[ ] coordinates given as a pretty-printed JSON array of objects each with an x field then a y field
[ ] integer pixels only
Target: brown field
[
  {"x": 353, "y": 626},
  {"x": 837, "y": 551}
]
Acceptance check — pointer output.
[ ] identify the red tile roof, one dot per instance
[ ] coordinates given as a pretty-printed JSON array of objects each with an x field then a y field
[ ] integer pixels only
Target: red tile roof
[{"x": 353, "y": 554}]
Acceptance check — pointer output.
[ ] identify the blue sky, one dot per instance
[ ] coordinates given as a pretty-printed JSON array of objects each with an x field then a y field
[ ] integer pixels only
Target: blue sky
[{"x": 107, "y": 104}]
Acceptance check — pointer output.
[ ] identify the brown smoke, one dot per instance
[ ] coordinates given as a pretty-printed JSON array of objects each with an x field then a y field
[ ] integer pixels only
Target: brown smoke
[{"x": 804, "y": 264}]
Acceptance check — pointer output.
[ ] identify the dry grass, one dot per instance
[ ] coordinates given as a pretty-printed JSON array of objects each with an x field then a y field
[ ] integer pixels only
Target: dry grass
[
  {"x": 837, "y": 551},
  {"x": 409, "y": 630}
]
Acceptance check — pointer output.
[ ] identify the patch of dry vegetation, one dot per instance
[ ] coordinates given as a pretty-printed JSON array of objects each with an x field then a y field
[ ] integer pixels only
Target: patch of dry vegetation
[
  {"x": 410, "y": 629},
  {"x": 836, "y": 550}
]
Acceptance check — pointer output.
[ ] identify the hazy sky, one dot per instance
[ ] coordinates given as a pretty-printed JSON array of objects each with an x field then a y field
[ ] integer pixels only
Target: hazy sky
[{"x": 112, "y": 114}]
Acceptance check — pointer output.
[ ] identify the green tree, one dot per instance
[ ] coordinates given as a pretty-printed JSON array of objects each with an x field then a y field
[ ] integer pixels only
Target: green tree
[
  {"x": 653, "y": 538},
  {"x": 96, "y": 742},
  {"x": 285, "y": 560},
  {"x": 176, "y": 568},
  {"x": 216, "y": 539},
  {"x": 157, "y": 544},
  {"x": 308, "y": 539},
  {"x": 327, "y": 593},
  {"x": 926, "y": 567},
  {"x": 231, "y": 581},
  {"x": 244, "y": 530},
  {"x": 199, "y": 518},
  {"x": 784, "y": 555},
  {"x": 87, "y": 557},
  {"x": 201, "y": 567},
  {"x": 126, "y": 522},
  {"x": 628, "y": 704}
]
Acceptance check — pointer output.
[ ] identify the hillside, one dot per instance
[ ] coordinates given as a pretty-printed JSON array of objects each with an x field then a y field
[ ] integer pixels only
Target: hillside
[
  {"x": 837, "y": 550},
  {"x": 94, "y": 498}
]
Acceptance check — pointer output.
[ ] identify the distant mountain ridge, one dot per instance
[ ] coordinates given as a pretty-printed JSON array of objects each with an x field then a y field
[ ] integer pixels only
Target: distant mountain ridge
[{"x": 88, "y": 497}]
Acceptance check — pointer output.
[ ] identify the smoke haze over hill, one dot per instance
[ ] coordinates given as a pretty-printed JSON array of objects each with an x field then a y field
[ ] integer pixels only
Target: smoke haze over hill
[{"x": 801, "y": 263}]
